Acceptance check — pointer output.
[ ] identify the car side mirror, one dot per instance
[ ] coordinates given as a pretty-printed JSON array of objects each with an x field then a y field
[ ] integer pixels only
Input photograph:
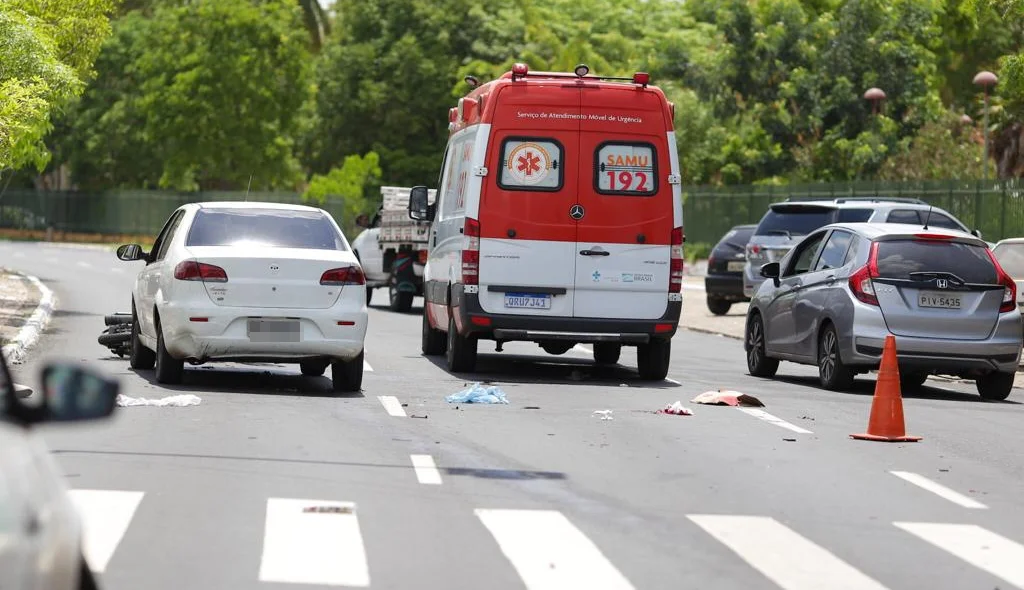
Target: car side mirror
[
  {"x": 71, "y": 393},
  {"x": 131, "y": 252},
  {"x": 419, "y": 208},
  {"x": 771, "y": 271},
  {"x": 976, "y": 233}
]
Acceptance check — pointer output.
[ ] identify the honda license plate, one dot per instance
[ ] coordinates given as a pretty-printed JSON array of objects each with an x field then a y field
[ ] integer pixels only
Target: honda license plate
[
  {"x": 938, "y": 300},
  {"x": 527, "y": 301},
  {"x": 273, "y": 330},
  {"x": 735, "y": 266}
]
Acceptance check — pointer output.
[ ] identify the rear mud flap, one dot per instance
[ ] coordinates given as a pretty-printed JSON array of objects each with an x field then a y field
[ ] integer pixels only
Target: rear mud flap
[{"x": 404, "y": 277}]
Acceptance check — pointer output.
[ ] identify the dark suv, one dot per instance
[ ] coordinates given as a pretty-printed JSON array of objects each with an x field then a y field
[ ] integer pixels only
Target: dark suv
[{"x": 724, "y": 281}]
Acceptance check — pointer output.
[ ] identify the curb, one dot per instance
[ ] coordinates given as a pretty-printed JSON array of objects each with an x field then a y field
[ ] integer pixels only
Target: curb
[
  {"x": 712, "y": 332},
  {"x": 33, "y": 326},
  {"x": 65, "y": 245}
]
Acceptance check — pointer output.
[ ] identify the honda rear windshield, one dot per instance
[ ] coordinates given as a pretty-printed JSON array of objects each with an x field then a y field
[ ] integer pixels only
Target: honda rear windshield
[
  {"x": 897, "y": 259},
  {"x": 280, "y": 228},
  {"x": 794, "y": 221}
]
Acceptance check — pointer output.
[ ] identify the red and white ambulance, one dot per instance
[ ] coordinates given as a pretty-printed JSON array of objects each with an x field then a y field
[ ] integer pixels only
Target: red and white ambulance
[{"x": 558, "y": 220}]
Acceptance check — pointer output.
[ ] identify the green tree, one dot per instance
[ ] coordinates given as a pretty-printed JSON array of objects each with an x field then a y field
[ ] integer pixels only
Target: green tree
[{"x": 355, "y": 182}]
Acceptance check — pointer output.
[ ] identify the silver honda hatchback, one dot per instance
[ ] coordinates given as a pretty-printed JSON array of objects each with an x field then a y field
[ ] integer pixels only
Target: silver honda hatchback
[{"x": 836, "y": 296}]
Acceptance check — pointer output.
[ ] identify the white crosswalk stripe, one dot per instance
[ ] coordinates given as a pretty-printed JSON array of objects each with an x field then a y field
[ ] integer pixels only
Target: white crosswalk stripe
[
  {"x": 549, "y": 552},
  {"x": 321, "y": 542},
  {"x": 979, "y": 547},
  {"x": 105, "y": 515},
  {"x": 313, "y": 542},
  {"x": 783, "y": 555}
]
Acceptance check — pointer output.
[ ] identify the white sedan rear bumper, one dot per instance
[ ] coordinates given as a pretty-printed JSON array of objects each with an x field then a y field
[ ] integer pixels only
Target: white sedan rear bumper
[{"x": 335, "y": 332}]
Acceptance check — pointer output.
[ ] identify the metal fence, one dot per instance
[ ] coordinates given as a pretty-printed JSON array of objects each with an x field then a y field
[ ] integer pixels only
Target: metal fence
[{"x": 995, "y": 207}]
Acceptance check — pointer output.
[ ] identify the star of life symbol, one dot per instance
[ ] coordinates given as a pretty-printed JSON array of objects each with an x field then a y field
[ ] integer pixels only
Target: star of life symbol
[
  {"x": 528, "y": 164},
  {"x": 596, "y": 275}
]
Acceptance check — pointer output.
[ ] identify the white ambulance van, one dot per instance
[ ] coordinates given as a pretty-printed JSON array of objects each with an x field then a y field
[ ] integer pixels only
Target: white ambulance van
[{"x": 558, "y": 220}]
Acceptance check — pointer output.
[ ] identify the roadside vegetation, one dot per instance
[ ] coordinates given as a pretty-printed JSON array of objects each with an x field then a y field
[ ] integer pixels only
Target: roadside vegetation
[{"x": 285, "y": 95}]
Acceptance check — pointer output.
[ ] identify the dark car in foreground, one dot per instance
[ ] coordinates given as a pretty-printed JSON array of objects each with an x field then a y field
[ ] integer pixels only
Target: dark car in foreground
[{"x": 723, "y": 283}]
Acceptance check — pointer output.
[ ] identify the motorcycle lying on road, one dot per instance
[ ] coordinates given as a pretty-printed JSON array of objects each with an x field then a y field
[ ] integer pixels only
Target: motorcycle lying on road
[{"x": 118, "y": 334}]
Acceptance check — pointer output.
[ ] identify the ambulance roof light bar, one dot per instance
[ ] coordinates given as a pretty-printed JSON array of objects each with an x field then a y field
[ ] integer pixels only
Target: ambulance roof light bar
[{"x": 520, "y": 70}]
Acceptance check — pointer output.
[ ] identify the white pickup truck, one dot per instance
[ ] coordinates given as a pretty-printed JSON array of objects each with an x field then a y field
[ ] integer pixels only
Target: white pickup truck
[{"x": 392, "y": 249}]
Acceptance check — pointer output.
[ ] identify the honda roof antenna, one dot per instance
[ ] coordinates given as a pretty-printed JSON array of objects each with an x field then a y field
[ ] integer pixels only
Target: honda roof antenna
[
  {"x": 929, "y": 216},
  {"x": 250, "y": 186}
]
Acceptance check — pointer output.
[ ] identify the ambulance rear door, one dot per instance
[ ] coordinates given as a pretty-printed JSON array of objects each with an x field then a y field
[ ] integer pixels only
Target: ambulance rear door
[{"x": 625, "y": 213}]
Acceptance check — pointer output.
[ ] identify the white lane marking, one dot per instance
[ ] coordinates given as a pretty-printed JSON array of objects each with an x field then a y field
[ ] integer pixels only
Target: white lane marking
[
  {"x": 939, "y": 489},
  {"x": 105, "y": 516},
  {"x": 317, "y": 547},
  {"x": 426, "y": 470},
  {"x": 583, "y": 349},
  {"x": 84, "y": 264},
  {"x": 761, "y": 414},
  {"x": 550, "y": 553},
  {"x": 672, "y": 381},
  {"x": 392, "y": 405},
  {"x": 979, "y": 547},
  {"x": 366, "y": 366},
  {"x": 782, "y": 555}
]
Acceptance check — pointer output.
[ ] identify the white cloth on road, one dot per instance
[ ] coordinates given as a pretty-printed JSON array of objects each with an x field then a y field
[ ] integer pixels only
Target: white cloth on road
[{"x": 173, "y": 400}]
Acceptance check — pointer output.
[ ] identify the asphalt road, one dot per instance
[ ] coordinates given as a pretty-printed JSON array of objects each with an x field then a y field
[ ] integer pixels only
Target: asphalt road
[{"x": 538, "y": 494}]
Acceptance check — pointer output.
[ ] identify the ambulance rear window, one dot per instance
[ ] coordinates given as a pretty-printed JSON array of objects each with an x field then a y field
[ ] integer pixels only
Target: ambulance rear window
[
  {"x": 626, "y": 169},
  {"x": 531, "y": 164}
]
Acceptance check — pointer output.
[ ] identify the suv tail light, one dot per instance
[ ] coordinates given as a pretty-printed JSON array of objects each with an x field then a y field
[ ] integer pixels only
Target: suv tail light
[
  {"x": 471, "y": 252},
  {"x": 1009, "y": 285},
  {"x": 675, "y": 277},
  {"x": 346, "y": 275},
  {"x": 193, "y": 270},
  {"x": 860, "y": 281}
]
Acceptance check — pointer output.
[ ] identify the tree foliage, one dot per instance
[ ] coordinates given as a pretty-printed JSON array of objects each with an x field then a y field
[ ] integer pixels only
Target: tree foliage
[
  {"x": 204, "y": 93},
  {"x": 355, "y": 182}
]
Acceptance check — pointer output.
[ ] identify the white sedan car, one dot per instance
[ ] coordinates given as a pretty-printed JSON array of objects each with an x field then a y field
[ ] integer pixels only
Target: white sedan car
[{"x": 249, "y": 282}]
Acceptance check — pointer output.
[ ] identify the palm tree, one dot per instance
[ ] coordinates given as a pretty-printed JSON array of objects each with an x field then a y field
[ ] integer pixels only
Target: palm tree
[{"x": 317, "y": 22}]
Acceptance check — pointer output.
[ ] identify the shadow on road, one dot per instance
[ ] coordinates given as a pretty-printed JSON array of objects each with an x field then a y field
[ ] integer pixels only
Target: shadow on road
[
  {"x": 865, "y": 386},
  {"x": 478, "y": 472},
  {"x": 254, "y": 378},
  {"x": 553, "y": 370}
]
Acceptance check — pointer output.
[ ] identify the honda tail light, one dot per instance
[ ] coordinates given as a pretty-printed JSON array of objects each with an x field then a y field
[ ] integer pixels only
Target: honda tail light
[
  {"x": 675, "y": 276},
  {"x": 1009, "y": 285},
  {"x": 860, "y": 282},
  {"x": 193, "y": 270},
  {"x": 346, "y": 275},
  {"x": 471, "y": 252}
]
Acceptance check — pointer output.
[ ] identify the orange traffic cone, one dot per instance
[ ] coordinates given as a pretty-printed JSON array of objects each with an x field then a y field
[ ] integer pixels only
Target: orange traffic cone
[{"x": 886, "y": 421}]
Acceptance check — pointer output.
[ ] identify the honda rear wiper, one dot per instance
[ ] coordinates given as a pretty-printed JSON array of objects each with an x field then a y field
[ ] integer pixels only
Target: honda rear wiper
[{"x": 935, "y": 274}]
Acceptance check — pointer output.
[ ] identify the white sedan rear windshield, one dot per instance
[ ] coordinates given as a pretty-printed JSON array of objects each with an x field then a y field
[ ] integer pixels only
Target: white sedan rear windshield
[
  {"x": 897, "y": 259},
  {"x": 280, "y": 228}
]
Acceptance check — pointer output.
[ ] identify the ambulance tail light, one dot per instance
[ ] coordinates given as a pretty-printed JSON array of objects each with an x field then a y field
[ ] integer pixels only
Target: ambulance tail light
[
  {"x": 471, "y": 252},
  {"x": 675, "y": 278},
  {"x": 642, "y": 78}
]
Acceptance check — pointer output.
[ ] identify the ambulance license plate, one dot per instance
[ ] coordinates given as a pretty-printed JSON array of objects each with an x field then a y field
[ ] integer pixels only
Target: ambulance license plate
[{"x": 527, "y": 301}]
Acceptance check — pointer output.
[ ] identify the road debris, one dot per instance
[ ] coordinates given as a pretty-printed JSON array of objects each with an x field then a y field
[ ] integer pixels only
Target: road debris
[
  {"x": 604, "y": 414},
  {"x": 676, "y": 409},
  {"x": 727, "y": 397},
  {"x": 478, "y": 394},
  {"x": 177, "y": 401}
]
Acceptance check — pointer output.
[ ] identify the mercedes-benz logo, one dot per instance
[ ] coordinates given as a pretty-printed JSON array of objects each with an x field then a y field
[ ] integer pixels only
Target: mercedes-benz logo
[{"x": 576, "y": 212}]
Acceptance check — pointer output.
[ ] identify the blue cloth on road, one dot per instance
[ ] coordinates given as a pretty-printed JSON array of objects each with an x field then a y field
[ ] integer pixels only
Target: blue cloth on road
[{"x": 478, "y": 394}]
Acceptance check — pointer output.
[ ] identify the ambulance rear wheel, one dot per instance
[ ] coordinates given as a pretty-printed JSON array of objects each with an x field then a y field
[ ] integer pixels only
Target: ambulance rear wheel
[
  {"x": 653, "y": 359},
  {"x": 461, "y": 350}
]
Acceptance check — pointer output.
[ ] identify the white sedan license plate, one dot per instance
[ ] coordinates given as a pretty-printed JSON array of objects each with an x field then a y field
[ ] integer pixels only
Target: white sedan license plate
[
  {"x": 273, "y": 330},
  {"x": 938, "y": 300},
  {"x": 527, "y": 301},
  {"x": 735, "y": 266}
]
